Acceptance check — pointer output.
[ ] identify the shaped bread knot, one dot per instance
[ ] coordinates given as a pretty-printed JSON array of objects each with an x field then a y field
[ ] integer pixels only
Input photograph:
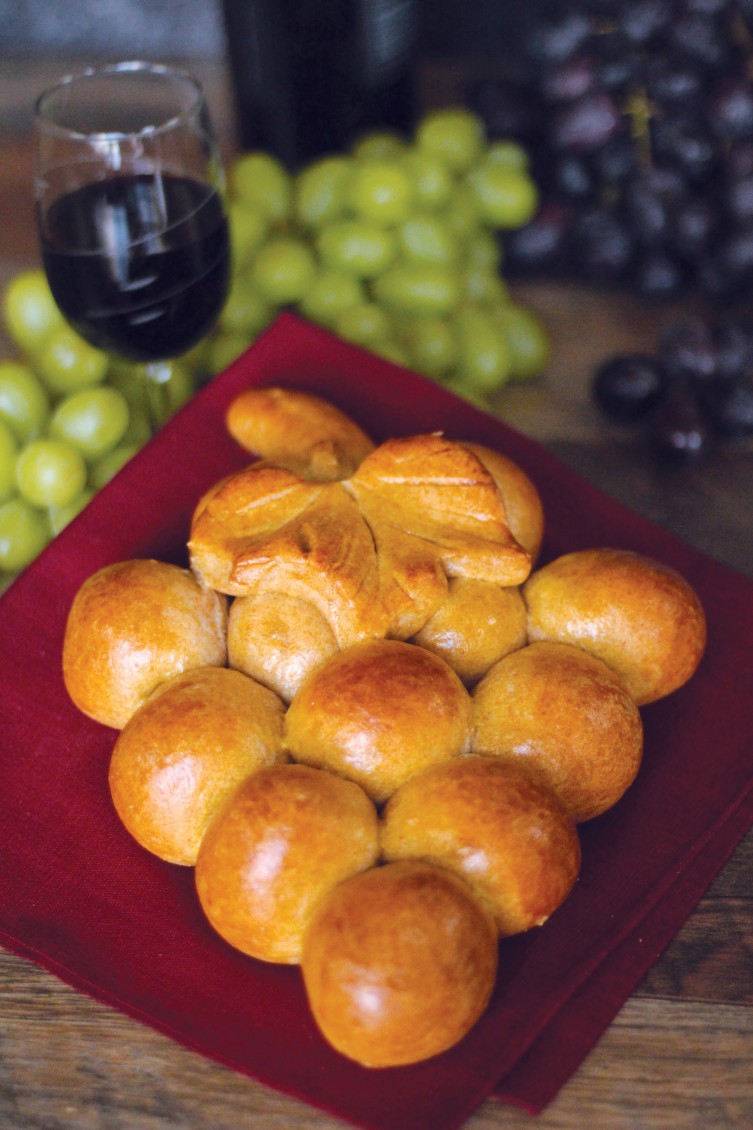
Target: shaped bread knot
[
  {"x": 299, "y": 431},
  {"x": 373, "y": 553},
  {"x": 267, "y": 530}
]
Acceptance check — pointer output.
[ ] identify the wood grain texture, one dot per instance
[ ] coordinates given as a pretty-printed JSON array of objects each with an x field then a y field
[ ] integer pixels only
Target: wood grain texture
[{"x": 679, "y": 1055}]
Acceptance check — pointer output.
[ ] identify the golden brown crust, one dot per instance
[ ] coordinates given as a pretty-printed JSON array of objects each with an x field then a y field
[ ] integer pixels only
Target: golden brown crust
[
  {"x": 278, "y": 639},
  {"x": 266, "y": 530},
  {"x": 476, "y": 625},
  {"x": 568, "y": 718},
  {"x": 399, "y": 964},
  {"x": 378, "y": 713},
  {"x": 181, "y": 755},
  {"x": 524, "y": 509},
  {"x": 286, "y": 837},
  {"x": 493, "y": 826},
  {"x": 638, "y": 615},
  {"x": 299, "y": 431},
  {"x": 438, "y": 491},
  {"x": 131, "y": 626}
]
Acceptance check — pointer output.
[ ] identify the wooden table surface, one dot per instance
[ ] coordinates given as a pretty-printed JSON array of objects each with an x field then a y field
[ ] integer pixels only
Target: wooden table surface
[{"x": 679, "y": 1054}]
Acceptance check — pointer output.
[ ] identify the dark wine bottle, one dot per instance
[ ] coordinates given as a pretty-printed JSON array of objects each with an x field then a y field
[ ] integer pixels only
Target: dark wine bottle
[{"x": 309, "y": 76}]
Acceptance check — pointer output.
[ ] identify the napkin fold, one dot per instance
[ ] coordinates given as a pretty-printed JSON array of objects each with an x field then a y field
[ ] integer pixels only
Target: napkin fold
[{"x": 81, "y": 898}]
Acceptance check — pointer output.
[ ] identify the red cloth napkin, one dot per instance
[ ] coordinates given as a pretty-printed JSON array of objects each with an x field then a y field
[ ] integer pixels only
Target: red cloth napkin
[{"x": 80, "y": 897}]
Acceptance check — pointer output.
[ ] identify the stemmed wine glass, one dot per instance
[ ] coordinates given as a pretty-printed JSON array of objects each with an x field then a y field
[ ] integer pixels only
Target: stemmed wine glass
[{"x": 130, "y": 209}]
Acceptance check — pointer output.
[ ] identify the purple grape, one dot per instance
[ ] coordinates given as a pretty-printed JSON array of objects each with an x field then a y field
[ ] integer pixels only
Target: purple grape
[
  {"x": 559, "y": 37},
  {"x": 729, "y": 406},
  {"x": 658, "y": 276},
  {"x": 587, "y": 123},
  {"x": 730, "y": 109},
  {"x": 687, "y": 350},
  {"x": 627, "y": 387},
  {"x": 679, "y": 431}
]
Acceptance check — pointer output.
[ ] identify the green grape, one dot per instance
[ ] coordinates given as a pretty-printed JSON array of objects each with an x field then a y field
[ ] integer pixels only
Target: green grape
[
  {"x": 245, "y": 311},
  {"x": 140, "y": 428},
  {"x": 381, "y": 193},
  {"x": 249, "y": 227},
  {"x": 391, "y": 351},
  {"x": 506, "y": 197},
  {"x": 330, "y": 293},
  {"x": 357, "y": 248},
  {"x": 363, "y": 324},
  {"x": 24, "y": 404},
  {"x": 67, "y": 362},
  {"x": 283, "y": 270},
  {"x": 24, "y": 532},
  {"x": 484, "y": 356},
  {"x": 60, "y": 516},
  {"x": 462, "y": 215},
  {"x": 380, "y": 145},
  {"x": 418, "y": 289},
  {"x": 8, "y": 456},
  {"x": 223, "y": 349},
  {"x": 431, "y": 345},
  {"x": 93, "y": 420},
  {"x": 433, "y": 182},
  {"x": 321, "y": 191},
  {"x": 108, "y": 466},
  {"x": 483, "y": 284},
  {"x": 29, "y": 310},
  {"x": 507, "y": 152},
  {"x": 259, "y": 180},
  {"x": 527, "y": 337},
  {"x": 483, "y": 249},
  {"x": 428, "y": 239},
  {"x": 50, "y": 473},
  {"x": 454, "y": 135}
]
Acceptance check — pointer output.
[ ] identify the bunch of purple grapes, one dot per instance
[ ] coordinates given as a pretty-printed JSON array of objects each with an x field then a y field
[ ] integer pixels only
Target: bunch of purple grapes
[
  {"x": 639, "y": 118},
  {"x": 694, "y": 391}
]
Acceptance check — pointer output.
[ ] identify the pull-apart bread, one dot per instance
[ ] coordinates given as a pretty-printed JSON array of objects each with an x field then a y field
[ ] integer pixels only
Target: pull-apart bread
[{"x": 365, "y": 721}]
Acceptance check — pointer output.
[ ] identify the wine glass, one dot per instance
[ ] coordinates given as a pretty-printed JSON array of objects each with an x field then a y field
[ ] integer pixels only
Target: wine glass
[{"x": 129, "y": 194}]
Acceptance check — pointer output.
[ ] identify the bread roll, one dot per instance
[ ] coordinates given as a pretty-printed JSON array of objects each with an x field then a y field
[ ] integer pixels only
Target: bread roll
[
  {"x": 399, "y": 964},
  {"x": 266, "y": 530},
  {"x": 378, "y": 713},
  {"x": 434, "y": 489},
  {"x": 177, "y": 758},
  {"x": 286, "y": 837},
  {"x": 639, "y": 616},
  {"x": 278, "y": 640},
  {"x": 495, "y": 827},
  {"x": 299, "y": 431},
  {"x": 476, "y": 625},
  {"x": 131, "y": 626},
  {"x": 565, "y": 716},
  {"x": 524, "y": 509}
]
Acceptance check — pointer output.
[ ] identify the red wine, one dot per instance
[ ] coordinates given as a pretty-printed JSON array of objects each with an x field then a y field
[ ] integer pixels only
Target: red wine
[{"x": 138, "y": 264}]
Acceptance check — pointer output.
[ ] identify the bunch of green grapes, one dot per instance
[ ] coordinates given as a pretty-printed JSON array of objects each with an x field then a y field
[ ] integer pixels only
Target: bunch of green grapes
[
  {"x": 70, "y": 417},
  {"x": 394, "y": 246}
]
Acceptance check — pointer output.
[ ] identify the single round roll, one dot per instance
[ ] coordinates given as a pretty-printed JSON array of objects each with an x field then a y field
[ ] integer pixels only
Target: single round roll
[
  {"x": 399, "y": 964},
  {"x": 181, "y": 755},
  {"x": 298, "y": 430},
  {"x": 566, "y": 717},
  {"x": 522, "y": 502},
  {"x": 378, "y": 713},
  {"x": 287, "y": 836},
  {"x": 131, "y": 626},
  {"x": 639, "y": 616},
  {"x": 495, "y": 827},
  {"x": 476, "y": 625},
  {"x": 278, "y": 639}
]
